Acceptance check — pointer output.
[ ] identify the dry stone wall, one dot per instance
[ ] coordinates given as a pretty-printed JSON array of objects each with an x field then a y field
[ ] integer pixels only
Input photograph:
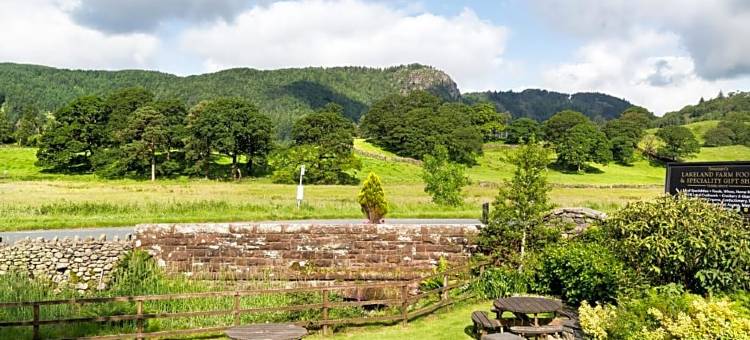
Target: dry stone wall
[
  {"x": 310, "y": 251},
  {"x": 84, "y": 264},
  {"x": 578, "y": 218}
]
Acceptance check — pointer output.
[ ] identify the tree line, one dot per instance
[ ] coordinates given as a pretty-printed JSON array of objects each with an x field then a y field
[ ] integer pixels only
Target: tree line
[
  {"x": 132, "y": 133},
  {"x": 129, "y": 133}
]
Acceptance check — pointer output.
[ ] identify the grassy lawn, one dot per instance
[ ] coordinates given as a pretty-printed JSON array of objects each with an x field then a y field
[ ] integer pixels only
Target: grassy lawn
[
  {"x": 452, "y": 322},
  {"x": 32, "y": 199}
]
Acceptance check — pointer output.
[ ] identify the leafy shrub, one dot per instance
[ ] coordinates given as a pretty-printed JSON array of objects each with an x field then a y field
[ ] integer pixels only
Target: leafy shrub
[
  {"x": 435, "y": 282},
  {"x": 443, "y": 179},
  {"x": 663, "y": 313},
  {"x": 595, "y": 320},
  {"x": 684, "y": 240},
  {"x": 497, "y": 282},
  {"x": 703, "y": 320},
  {"x": 372, "y": 199},
  {"x": 582, "y": 271}
]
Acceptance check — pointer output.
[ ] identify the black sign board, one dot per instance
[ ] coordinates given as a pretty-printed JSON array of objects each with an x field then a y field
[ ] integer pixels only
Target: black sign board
[{"x": 725, "y": 183}]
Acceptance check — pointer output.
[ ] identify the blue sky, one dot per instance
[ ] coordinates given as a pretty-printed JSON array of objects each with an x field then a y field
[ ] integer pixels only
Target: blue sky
[{"x": 661, "y": 55}]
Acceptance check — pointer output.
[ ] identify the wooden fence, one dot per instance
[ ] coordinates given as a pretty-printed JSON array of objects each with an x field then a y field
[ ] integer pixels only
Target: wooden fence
[{"x": 450, "y": 280}]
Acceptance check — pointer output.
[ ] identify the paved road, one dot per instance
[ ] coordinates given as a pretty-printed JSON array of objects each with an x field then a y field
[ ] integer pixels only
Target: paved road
[{"x": 123, "y": 232}]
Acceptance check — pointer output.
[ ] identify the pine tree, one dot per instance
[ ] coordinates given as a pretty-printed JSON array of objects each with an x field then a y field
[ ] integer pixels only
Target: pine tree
[{"x": 372, "y": 199}]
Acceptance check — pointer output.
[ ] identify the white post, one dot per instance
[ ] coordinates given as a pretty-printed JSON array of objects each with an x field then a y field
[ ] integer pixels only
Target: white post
[{"x": 300, "y": 189}]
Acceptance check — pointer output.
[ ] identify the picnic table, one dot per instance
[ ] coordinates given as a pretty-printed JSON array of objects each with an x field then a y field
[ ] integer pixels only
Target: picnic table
[
  {"x": 526, "y": 305},
  {"x": 267, "y": 331},
  {"x": 521, "y": 306}
]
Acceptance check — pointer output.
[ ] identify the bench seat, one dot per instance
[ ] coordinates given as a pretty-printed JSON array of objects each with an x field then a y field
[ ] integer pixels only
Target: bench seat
[
  {"x": 537, "y": 330},
  {"x": 483, "y": 324}
]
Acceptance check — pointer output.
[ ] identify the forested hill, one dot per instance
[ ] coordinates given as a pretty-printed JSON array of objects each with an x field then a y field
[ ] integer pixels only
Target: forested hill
[
  {"x": 283, "y": 94},
  {"x": 711, "y": 109},
  {"x": 542, "y": 104}
]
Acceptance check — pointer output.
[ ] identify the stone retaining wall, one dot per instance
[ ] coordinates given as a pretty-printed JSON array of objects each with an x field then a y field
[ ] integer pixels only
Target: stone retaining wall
[
  {"x": 579, "y": 218},
  {"x": 84, "y": 264},
  {"x": 310, "y": 251}
]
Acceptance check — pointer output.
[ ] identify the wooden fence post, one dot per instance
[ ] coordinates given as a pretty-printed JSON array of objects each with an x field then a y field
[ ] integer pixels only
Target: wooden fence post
[
  {"x": 444, "y": 293},
  {"x": 139, "y": 319},
  {"x": 325, "y": 311},
  {"x": 404, "y": 304},
  {"x": 36, "y": 334},
  {"x": 236, "y": 308}
]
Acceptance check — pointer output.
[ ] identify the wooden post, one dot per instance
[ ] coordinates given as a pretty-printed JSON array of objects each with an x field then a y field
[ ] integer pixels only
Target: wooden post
[
  {"x": 139, "y": 319},
  {"x": 325, "y": 311},
  {"x": 236, "y": 308},
  {"x": 444, "y": 293},
  {"x": 404, "y": 304},
  {"x": 36, "y": 334}
]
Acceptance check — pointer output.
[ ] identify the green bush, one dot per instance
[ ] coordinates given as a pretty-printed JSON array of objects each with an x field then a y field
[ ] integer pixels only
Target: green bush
[
  {"x": 582, "y": 271},
  {"x": 498, "y": 282},
  {"x": 683, "y": 240},
  {"x": 666, "y": 312}
]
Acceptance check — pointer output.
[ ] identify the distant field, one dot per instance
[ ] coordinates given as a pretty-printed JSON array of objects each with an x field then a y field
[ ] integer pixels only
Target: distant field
[{"x": 31, "y": 199}]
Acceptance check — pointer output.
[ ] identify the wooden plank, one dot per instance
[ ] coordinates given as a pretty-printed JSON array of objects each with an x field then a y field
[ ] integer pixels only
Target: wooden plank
[
  {"x": 355, "y": 321},
  {"x": 161, "y": 333},
  {"x": 364, "y": 303}
]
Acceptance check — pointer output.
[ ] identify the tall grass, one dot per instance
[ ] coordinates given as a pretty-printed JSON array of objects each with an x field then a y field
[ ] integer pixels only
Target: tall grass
[{"x": 139, "y": 275}]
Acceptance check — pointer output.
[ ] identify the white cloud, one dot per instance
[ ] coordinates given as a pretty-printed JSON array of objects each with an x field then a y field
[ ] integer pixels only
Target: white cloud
[
  {"x": 41, "y": 32},
  {"x": 123, "y": 16},
  {"x": 714, "y": 33},
  {"x": 353, "y": 32},
  {"x": 647, "y": 67}
]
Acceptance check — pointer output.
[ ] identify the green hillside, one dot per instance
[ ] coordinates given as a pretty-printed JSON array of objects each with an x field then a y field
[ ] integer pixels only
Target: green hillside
[
  {"x": 542, "y": 104},
  {"x": 283, "y": 94},
  {"x": 712, "y": 109}
]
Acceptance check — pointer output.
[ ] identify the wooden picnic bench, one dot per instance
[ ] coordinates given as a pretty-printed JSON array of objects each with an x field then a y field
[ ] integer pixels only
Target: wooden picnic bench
[
  {"x": 537, "y": 330},
  {"x": 267, "y": 331},
  {"x": 483, "y": 324}
]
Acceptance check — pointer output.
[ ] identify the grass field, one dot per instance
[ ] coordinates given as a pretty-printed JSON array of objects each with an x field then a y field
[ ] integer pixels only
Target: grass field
[
  {"x": 32, "y": 199},
  {"x": 452, "y": 322}
]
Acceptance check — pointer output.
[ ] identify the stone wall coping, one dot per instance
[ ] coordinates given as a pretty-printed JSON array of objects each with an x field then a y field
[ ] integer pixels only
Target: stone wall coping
[{"x": 276, "y": 227}]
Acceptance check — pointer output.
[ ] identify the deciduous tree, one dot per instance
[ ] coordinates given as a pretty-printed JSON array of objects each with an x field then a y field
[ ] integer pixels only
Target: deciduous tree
[
  {"x": 147, "y": 134},
  {"x": 524, "y": 130},
  {"x": 516, "y": 218},
  {"x": 557, "y": 125},
  {"x": 581, "y": 144},
  {"x": 77, "y": 132},
  {"x": 679, "y": 143},
  {"x": 443, "y": 179}
]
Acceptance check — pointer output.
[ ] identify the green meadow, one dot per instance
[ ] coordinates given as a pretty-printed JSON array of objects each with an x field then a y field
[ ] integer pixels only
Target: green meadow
[{"x": 33, "y": 199}]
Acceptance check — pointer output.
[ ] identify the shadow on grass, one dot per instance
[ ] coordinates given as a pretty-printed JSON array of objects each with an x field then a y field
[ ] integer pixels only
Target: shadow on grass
[{"x": 587, "y": 169}]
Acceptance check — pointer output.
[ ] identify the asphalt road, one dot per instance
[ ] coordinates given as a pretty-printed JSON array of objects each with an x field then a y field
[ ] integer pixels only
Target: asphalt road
[{"x": 122, "y": 232}]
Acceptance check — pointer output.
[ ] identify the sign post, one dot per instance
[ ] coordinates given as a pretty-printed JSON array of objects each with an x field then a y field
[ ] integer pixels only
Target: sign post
[
  {"x": 300, "y": 189},
  {"x": 723, "y": 183}
]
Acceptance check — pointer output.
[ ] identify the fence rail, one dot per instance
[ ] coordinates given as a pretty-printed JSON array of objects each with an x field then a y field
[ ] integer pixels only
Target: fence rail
[{"x": 403, "y": 302}]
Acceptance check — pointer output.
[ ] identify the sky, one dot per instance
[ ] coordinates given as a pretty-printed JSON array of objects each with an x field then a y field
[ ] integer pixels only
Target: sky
[{"x": 662, "y": 55}]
